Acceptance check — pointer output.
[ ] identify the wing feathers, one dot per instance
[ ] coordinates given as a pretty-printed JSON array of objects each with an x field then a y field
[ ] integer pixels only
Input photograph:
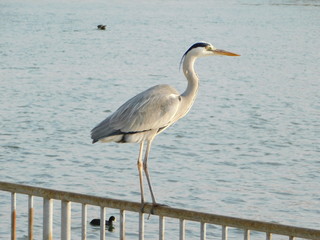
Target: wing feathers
[{"x": 152, "y": 109}]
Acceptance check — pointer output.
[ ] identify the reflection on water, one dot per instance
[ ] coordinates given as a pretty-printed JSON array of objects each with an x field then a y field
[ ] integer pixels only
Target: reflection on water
[{"x": 248, "y": 148}]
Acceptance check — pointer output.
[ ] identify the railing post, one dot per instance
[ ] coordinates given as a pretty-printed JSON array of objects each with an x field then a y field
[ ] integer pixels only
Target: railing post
[
  {"x": 47, "y": 218},
  {"x": 141, "y": 226},
  {"x": 246, "y": 234},
  {"x": 30, "y": 217},
  {"x": 268, "y": 236},
  {"x": 224, "y": 233},
  {"x": 102, "y": 223},
  {"x": 65, "y": 220},
  {"x": 84, "y": 222},
  {"x": 161, "y": 227},
  {"x": 13, "y": 216},
  {"x": 203, "y": 231},
  {"x": 182, "y": 234},
  {"x": 122, "y": 224}
]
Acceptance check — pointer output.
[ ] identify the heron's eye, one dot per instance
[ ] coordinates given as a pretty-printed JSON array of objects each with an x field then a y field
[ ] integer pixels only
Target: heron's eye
[{"x": 208, "y": 48}]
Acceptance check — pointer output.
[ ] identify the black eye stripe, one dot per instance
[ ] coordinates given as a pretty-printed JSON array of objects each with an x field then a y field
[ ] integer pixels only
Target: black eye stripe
[{"x": 199, "y": 44}]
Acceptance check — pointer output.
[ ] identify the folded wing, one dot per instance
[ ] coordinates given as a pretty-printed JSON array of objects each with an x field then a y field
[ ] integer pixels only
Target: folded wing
[{"x": 153, "y": 109}]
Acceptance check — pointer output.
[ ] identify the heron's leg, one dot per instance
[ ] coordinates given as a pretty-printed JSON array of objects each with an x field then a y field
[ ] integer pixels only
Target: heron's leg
[
  {"x": 140, "y": 167},
  {"x": 145, "y": 168}
]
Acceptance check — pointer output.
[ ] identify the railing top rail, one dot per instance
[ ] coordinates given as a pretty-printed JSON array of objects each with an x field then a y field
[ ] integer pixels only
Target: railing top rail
[{"x": 163, "y": 211}]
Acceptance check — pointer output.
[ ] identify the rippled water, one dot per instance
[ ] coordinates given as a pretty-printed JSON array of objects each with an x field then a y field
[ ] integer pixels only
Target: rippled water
[{"x": 248, "y": 148}]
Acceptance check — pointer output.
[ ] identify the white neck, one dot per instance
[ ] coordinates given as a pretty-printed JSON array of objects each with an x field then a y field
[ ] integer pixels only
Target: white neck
[
  {"x": 189, "y": 95},
  {"x": 193, "y": 81}
]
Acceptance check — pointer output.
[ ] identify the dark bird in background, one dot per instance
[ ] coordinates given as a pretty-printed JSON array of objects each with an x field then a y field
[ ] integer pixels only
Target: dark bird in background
[
  {"x": 101, "y": 27},
  {"x": 108, "y": 224}
]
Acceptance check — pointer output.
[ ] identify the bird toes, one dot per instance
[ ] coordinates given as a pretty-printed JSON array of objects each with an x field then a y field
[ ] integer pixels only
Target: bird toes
[
  {"x": 142, "y": 207},
  {"x": 154, "y": 206}
]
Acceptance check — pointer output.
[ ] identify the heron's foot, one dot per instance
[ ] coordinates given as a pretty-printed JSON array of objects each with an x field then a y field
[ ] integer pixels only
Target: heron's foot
[
  {"x": 155, "y": 205},
  {"x": 142, "y": 207}
]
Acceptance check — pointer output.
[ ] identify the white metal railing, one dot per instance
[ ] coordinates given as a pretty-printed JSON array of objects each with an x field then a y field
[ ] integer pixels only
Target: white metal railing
[{"x": 66, "y": 198}]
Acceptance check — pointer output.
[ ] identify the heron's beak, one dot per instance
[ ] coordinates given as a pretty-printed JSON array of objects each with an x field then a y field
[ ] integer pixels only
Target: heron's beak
[{"x": 223, "y": 52}]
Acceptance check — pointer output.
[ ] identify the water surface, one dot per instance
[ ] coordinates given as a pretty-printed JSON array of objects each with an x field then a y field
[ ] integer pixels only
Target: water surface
[{"x": 248, "y": 148}]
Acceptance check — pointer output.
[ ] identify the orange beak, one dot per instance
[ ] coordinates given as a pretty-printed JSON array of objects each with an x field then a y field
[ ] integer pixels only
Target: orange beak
[{"x": 223, "y": 52}]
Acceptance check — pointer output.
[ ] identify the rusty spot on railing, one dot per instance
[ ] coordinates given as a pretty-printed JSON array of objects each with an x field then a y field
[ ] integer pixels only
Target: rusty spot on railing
[
  {"x": 13, "y": 224},
  {"x": 31, "y": 214}
]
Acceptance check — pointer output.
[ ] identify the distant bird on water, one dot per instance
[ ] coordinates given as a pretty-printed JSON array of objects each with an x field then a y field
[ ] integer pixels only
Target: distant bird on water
[
  {"x": 149, "y": 113},
  {"x": 96, "y": 221},
  {"x": 101, "y": 27}
]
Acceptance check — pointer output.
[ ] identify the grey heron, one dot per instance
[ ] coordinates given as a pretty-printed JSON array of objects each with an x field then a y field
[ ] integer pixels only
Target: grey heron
[{"x": 150, "y": 112}]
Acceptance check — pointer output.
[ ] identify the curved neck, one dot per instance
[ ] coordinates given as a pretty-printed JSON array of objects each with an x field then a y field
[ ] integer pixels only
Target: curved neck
[{"x": 193, "y": 81}]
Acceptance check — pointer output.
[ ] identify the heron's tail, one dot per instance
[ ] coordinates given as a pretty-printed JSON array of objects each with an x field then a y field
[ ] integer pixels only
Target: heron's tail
[{"x": 104, "y": 134}]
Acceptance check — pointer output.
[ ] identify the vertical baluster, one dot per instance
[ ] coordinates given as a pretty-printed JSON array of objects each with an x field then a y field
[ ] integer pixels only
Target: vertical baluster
[
  {"x": 269, "y": 236},
  {"x": 246, "y": 234},
  {"x": 141, "y": 226},
  {"x": 182, "y": 234},
  {"x": 161, "y": 227},
  {"x": 224, "y": 233},
  {"x": 84, "y": 222},
  {"x": 102, "y": 223},
  {"x": 47, "y": 218},
  {"x": 30, "y": 217},
  {"x": 292, "y": 238},
  {"x": 122, "y": 225},
  {"x": 203, "y": 231},
  {"x": 65, "y": 220},
  {"x": 13, "y": 216}
]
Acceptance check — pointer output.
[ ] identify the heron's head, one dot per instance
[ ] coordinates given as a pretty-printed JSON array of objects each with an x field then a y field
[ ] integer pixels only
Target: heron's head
[{"x": 202, "y": 49}]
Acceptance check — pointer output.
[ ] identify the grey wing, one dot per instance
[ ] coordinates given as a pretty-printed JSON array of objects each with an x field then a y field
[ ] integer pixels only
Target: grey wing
[{"x": 154, "y": 108}]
